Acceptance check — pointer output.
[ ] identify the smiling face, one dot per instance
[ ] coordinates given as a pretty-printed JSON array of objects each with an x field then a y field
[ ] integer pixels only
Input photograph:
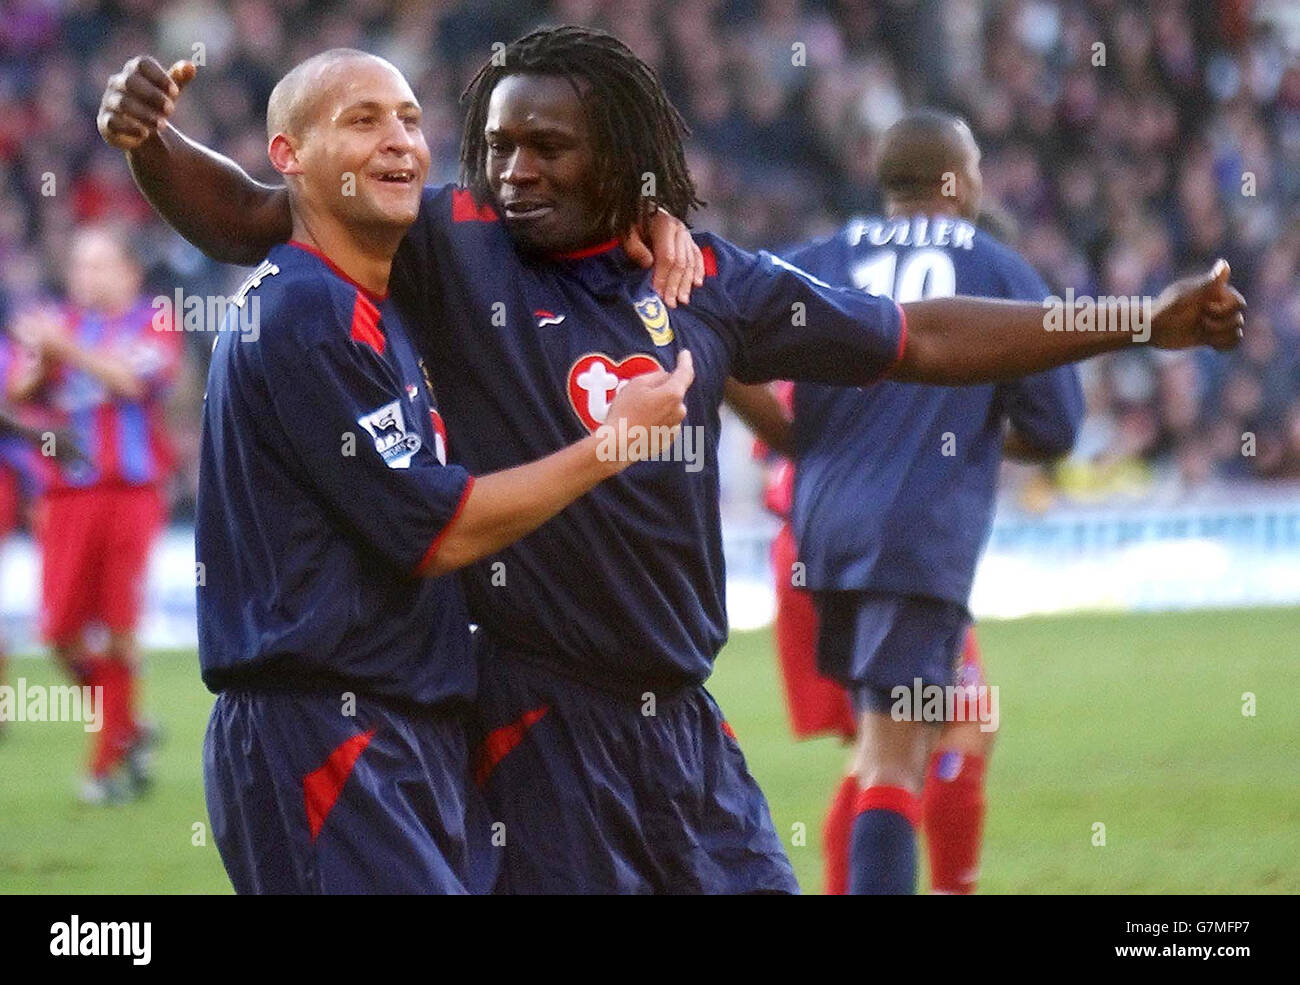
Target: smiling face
[
  {"x": 541, "y": 163},
  {"x": 352, "y": 146}
]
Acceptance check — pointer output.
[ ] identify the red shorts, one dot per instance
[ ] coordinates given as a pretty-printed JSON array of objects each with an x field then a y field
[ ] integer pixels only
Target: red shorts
[
  {"x": 95, "y": 545},
  {"x": 818, "y": 705}
]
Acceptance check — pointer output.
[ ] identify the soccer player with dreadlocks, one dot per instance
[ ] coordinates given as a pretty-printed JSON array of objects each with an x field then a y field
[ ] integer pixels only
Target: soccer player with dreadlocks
[{"x": 610, "y": 765}]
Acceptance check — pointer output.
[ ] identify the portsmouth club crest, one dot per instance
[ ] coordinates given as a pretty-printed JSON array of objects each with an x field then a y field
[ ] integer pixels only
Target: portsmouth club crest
[
  {"x": 387, "y": 427},
  {"x": 654, "y": 316}
]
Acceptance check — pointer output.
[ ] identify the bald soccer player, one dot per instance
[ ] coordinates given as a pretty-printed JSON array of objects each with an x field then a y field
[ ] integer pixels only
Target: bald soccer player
[
  {"x": 336, "y": 758},
  {"x": 612, "y": 767},
  {"x": 893, "y": 499}
]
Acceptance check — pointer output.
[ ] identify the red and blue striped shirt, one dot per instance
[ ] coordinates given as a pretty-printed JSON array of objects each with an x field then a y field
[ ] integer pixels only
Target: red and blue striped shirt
[{"x": 125, "y": 440}]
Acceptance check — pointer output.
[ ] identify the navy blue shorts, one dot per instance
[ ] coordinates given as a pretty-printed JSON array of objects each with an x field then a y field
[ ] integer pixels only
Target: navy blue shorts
[
  {"x": 873, "y": 642},
  {"x": 305, "y": 799},
  {"x": 589, "y": 794}
]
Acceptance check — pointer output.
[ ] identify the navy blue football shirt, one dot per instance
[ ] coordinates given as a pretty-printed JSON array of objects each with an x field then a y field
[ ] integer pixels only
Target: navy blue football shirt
[
  {"x": 895, "y": 483},
  {"x": 625, "y": 588},
  {"x": 323, "y": 489}
]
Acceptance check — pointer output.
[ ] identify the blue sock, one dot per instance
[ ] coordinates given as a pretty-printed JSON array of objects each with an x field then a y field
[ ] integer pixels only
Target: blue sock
[{"x": 882, "y": 857}]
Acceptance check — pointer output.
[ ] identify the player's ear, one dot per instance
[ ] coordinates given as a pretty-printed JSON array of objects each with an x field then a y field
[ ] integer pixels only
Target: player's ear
[{"x": 283, "y": 155}]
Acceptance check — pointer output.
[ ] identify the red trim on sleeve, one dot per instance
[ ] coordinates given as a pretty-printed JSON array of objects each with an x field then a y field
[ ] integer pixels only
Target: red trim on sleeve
[
  {"x": 465, "y": 209},
  {"x": 500, "y": 742},
  {"x": 321, "y": 787},
  {"x": 902, "y": 345},
  {"x": 710, "y": 261},
  {"x": 365, "y": 324},
  {"x": 338, "y": 271},
  {"x": 898, "y": 800},
  {"x": 427, "y": 560},
  {"x": 902, "y": 335}
]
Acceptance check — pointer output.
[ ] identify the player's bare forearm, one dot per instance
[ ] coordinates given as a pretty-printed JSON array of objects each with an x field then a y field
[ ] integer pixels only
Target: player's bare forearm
[
  {"x": 757, "y": 406},
  {"x": 209, "y": 199},
  {"x": 205, "y": 197},
  {"x": 956, "y": 341},
  {"x": 507, "y": 505}
]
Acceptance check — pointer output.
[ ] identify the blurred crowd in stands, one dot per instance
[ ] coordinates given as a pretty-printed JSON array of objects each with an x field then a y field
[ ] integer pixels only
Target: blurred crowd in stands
[{"x": 1124, "y": 144}]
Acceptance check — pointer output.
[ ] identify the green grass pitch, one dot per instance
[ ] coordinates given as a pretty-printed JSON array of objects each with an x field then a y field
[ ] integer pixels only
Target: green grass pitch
[{"x": 1131, "y": 721}]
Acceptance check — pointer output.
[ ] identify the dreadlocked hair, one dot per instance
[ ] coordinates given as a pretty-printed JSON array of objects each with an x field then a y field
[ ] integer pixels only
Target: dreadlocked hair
[{"x": 635, "y": 129}]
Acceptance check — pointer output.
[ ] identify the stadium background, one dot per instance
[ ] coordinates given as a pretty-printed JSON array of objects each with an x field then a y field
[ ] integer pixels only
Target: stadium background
[{"x": 1114, "y": 178}]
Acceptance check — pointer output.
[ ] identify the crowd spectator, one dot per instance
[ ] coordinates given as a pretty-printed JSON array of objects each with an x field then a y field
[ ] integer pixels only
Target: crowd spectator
[{"x": 1127, "y": 144}]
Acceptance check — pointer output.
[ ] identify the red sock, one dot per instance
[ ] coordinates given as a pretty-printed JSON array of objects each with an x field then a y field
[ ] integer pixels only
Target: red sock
[
  {"x": 115, "y": 705},
  {"x": 836, "y": 834},
  {"x": 952, "y": 806},
  {"x": 127, "y": 722},
  {"x": 97, "y": 674}
]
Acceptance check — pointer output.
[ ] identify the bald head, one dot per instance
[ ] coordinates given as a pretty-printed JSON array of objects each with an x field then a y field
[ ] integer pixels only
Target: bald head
[
  {"x": 298, "y": 98},
  {"x": 345, "y": 133},
  {"x": 103, "y": 273},
  {"x": 930, "y": 158}
]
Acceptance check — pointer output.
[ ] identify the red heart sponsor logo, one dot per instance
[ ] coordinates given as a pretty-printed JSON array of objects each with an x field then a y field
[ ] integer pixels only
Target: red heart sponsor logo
[{"x": 595, "y": 379}]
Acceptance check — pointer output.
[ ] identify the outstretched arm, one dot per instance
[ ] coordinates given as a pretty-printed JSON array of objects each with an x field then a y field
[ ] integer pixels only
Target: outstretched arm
[
  {"x": 207, "y": 198},
  {"x": 793, "y": 326},
  {"x": 954, "y": 341},
  {"x": 217, "y": 206}
]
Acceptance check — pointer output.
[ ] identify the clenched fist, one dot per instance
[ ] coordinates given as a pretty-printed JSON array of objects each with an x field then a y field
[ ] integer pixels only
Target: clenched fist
[
  {"x": 139, "y": 99},
  {"x": 650, "y": 404},
  {"x": 1199, "y": 310}
]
